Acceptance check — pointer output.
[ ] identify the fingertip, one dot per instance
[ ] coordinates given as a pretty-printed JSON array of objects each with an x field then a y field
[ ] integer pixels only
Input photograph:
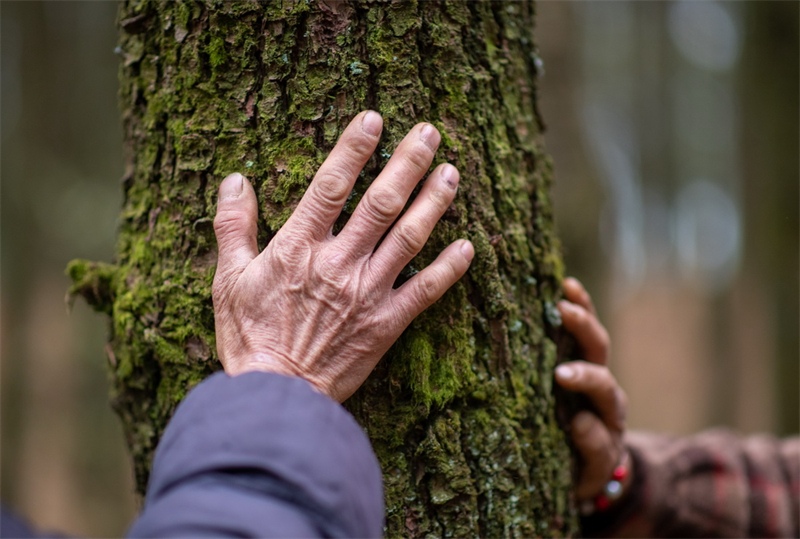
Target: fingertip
[
  {"x": 372, "y": 123},
  {"x": 565, "y": 373},
  {"x": 571, "y": 282},
  {"x": 430, "y": 136},
  {"x": 449, "y": 175},
  {"x": 467, "y": 250},
  {"x": 232, "y": 186},
  {"x": 567, "y": 307}
]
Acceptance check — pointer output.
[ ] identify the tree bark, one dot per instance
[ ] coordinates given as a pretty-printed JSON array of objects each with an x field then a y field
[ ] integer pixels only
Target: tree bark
[{"x": 461, "y": 410}]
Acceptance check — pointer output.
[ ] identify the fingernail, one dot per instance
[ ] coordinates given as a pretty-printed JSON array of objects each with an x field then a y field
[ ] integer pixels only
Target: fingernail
[
  {"x": 565, "y": 372},
  {"x": 372, "y": 123},
  {"x": 231, "y": 186},
  {"x": 450, "y": 176},
  {"x": 467, "y": 250},
  {"x": 430, "y": 136}
]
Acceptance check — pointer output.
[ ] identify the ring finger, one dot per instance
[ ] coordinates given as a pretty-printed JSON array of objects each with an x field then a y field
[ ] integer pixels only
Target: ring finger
[{"x": 409, "y": 234}]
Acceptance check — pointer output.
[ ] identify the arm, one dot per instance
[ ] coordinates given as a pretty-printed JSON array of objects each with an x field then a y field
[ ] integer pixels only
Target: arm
[
  {"x": 265, "y": 449},
  {"x": 713, "y": 484}
]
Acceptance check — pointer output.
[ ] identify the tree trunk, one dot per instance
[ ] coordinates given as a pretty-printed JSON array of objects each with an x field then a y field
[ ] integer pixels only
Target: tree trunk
[{"x": 461, "y": 410}]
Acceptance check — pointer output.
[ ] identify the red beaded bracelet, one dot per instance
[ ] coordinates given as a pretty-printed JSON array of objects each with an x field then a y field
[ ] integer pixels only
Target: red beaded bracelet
[{"x": 610, "y": 493}]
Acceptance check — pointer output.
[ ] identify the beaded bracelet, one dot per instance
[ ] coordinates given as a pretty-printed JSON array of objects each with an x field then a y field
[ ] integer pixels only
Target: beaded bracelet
[{"x": 611, "y": 492}]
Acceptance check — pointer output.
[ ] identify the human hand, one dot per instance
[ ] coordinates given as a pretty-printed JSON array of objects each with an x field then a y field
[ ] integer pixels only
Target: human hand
[
  {"x": 597, "y": 436},
  {"x": 320, "y": 306}
]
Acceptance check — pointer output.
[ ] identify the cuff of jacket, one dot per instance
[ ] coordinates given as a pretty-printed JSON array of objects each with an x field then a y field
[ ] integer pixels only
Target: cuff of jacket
[{"x": 269, "y": 439}]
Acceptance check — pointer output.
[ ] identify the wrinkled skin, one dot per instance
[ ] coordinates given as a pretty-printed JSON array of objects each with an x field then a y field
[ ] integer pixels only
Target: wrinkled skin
[{"x": 323, "y": 307}]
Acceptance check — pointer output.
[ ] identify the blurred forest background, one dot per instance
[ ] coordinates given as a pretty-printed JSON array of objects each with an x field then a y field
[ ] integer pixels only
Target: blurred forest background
[{"x": 673, "y": 128}]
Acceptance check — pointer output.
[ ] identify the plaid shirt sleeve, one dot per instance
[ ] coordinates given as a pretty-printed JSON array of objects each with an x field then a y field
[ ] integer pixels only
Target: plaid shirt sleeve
[{"x": 714, "y": 484}]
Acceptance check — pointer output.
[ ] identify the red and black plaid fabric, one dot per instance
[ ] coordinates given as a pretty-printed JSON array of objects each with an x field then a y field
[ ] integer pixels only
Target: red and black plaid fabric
[{"x": 714, "y": 484}]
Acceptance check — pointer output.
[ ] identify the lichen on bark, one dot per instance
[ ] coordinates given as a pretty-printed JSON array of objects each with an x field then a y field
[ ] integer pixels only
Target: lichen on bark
[{"x": 461, "y": 410}]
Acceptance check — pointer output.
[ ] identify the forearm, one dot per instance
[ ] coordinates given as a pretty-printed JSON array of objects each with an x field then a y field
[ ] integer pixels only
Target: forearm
[{"x": 714, "y": 484}]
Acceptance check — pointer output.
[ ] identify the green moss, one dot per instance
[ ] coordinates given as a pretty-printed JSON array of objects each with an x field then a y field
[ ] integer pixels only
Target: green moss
[
  {"x": 418, "y": 354},
  {"x": 217, "y": 56},
  {"x": 93, "y": 281},
  {"x": 183, "y": 13}
]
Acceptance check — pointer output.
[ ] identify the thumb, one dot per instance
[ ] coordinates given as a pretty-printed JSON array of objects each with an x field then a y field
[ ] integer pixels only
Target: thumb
[
  {"x": 596, "y": 447},
  {"x": 235, "y": 224}
]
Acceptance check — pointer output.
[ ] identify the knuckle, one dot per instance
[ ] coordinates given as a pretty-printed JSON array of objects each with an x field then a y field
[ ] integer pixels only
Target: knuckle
[
  {"x": 289, "y": 254},
  {"x": 355, "y": 143},
  {"x": 604, "y": 377},
  {"x": 428, "y": 286},
  {"x": 579, "y": 316},
  {"x": 622, "y": 398},
  {"x": 583, "y": 296},
  {"x": 330, "y": 187},
  {"x": 602, "y": 335},
  {"x": 418, "y": 158},
  {"x": 609, "y": 386},
  {"x": 228, "y": 222},
  {"x": 383, "y": 205},
  {"x": 408, "y": 239},
  {"x": 332, "y": 268},
  {"x": 360, "y": 146}
]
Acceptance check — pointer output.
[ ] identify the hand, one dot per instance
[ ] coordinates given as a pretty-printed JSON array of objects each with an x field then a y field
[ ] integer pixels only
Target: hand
[
  {"x": 598, "y": 438},
  {"x": 319, "y": 306}
]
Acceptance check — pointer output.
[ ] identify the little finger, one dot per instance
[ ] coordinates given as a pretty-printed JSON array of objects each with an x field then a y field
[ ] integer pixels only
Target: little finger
[
  {"x": 598, "y": 451},
  {"x": 427, "y": 286}
]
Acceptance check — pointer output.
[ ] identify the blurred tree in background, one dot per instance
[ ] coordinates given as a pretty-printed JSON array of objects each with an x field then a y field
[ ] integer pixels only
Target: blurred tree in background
[
  {"x": 63, "y": 454},
  {"x": 674, "y": 131}
]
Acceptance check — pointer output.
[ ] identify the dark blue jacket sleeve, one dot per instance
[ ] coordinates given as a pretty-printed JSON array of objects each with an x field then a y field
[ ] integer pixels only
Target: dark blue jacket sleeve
[{"x": 262, "y": 455}]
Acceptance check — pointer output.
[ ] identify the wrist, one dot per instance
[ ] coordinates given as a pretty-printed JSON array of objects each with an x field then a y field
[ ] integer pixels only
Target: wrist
[
  {"x": 615, "y": 489},
  {"x": 236, "y": 364},
  {"x": 268, "y": 363}
]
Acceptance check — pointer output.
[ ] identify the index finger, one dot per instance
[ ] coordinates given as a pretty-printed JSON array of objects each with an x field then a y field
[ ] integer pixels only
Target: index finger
[{"x": 323, "y": 200}]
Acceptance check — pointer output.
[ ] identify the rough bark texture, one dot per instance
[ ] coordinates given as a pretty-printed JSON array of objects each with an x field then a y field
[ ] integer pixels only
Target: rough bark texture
[{"x": 461, "y": 411}]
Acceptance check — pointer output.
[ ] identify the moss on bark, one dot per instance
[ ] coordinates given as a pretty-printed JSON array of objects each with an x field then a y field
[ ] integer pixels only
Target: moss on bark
[{"x": 461, "y": 410}]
